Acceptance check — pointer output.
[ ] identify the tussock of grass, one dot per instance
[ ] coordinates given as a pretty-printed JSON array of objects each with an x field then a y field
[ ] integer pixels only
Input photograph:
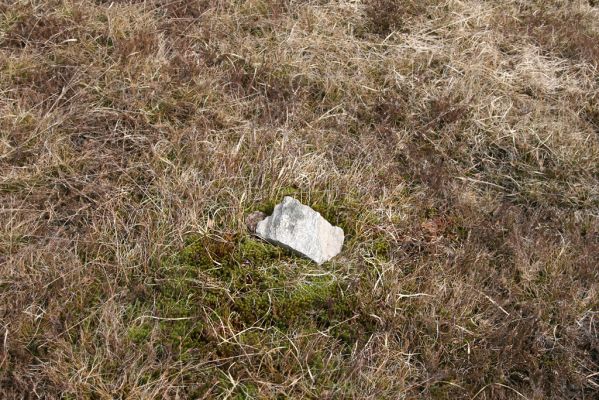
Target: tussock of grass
[{"x": 456, "y": 142}]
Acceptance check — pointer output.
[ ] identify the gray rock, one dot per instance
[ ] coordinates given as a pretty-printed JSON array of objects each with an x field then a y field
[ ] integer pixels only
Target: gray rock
[
  {"x": 299, "y": 228},
  {"x": 252, "y": 220}
]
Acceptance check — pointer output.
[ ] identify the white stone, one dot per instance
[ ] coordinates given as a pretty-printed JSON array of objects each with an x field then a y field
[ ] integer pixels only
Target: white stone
[{"x": 299, "y": 228}]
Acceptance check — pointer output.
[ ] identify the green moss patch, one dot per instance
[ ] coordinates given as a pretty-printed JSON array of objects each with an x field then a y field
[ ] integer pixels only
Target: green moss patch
[{"x": 243, "y": 283}]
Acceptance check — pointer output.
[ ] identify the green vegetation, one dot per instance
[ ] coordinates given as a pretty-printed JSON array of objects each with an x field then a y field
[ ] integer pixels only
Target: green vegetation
[
  {"x": 250, "y": 285},
  {"x": 214, "y": 287}
]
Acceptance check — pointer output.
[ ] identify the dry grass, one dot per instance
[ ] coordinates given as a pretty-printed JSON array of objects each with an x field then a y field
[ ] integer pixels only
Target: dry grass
[{"x": 457, "y": 142}]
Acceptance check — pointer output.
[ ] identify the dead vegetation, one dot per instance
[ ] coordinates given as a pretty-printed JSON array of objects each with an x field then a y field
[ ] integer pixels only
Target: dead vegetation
[{"x": 456, "y": 142}]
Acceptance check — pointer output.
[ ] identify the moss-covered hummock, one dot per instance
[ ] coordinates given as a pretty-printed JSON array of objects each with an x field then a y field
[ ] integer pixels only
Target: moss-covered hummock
[{"x": 245, "y": 283}]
